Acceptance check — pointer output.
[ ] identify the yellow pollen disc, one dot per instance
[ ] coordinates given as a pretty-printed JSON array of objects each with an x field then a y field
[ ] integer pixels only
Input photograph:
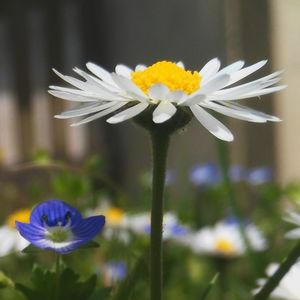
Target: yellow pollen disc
[
  {"x": 21, "y": 215},
  {"x": 114, "y": 215},
  {"x": 224, "y": 246},
  {"x": 169, "y": 74}
]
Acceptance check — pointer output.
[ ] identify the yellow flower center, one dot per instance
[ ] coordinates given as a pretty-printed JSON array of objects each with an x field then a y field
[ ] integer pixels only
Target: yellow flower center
[
  {"x": 169, "y": 74},
  {"x": 22, "y": 215},
  {"x": 114, "y": 215},
  {"x": 224, "y": 246}
]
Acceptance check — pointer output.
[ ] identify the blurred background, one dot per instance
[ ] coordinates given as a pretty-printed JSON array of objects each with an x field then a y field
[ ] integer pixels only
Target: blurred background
[
  {"x": 36, "y": 36},
  {"x": 101, "y": 166}
]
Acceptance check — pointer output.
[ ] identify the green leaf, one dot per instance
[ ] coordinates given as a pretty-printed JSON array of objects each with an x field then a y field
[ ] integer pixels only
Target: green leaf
[
  {"x": 70, "y": 287},
  {"x": 209, "y": 287},
  {"x": 5, "y": 281},
  {"x": 134, "y": 283},
  {"x": 32, "y": 249},
  {"x": 101, "y": 294},
  {"x": 91, "y": 244}
]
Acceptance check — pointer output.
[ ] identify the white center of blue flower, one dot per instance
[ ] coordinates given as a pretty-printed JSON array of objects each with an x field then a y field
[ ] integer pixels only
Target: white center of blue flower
[{"x": 59, "y": 234}]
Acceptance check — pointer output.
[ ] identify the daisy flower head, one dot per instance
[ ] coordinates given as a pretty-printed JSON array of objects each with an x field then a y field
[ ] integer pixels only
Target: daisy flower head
[
  {"x": 168, "y": 91},
  {"x": 55, "y": 225},
  {"x": 10, "y": 239},
  {"x": 288, "y": 288}
]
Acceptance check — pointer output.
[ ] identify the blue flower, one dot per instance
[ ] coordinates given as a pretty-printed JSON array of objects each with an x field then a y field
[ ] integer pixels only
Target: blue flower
[
  {"x": 236, "y": 173},
  {"x": 259, "y": 175},
  {"x": 205, "y": 174},
  {"x": 116, "y": 270},
  {"x": 55, "y": 225}
]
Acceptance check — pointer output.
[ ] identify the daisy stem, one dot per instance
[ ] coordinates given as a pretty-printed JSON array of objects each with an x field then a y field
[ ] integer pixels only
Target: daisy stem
[
  {"x": 57, "y": 271},
  {"x": 274, "y": 280},
  {"x": 160, "y": 143}
]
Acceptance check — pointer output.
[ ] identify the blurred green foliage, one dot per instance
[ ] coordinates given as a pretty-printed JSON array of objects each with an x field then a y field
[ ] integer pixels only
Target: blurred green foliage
[{"x": 186, "y": 276}]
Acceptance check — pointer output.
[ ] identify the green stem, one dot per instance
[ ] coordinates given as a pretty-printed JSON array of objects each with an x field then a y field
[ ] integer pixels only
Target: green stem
[
  {"x": 160, "y": 143},
  {"x": 273, "y": 281},
  {"x": 57, "y": 271}
]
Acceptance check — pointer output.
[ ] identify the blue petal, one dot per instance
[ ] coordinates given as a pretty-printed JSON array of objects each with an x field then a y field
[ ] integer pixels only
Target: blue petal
[
  {"x": 54, "y": 211},
  {"x": 87, "y": 229},
  {"x": 30, "y": 232}
]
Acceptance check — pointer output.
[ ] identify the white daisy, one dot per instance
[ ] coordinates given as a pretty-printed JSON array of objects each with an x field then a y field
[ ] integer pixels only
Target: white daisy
[
  {"x": 167, "y": 87},
  {"x": 288, "y": 288},
  {"x": 224, "y": 239},
  {"x": 10, "y": 239}
]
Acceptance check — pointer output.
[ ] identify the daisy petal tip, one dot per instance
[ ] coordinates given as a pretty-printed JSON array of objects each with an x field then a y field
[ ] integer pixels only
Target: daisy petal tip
[
  {"x": 115, "y": 120},
  {"x": 161, "y": 118}
]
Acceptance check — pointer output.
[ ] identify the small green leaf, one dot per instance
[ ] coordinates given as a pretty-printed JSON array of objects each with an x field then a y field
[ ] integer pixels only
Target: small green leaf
[
  {"x": 32, "y": 249},
  {"x": 70, "y": 287},
  {"x": 5, "y": 281},
  {"x": 91, "y": 244},
  {"x": 209, "y": 287}
]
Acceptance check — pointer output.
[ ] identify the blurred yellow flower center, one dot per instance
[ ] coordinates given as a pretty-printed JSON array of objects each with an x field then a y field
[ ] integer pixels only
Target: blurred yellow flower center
[
  {"x": 169, "y": 74},
  {"x": 21, "y": 215},
  {"x": 114, "y": 215},
  {"x": 224, "y": 246}
]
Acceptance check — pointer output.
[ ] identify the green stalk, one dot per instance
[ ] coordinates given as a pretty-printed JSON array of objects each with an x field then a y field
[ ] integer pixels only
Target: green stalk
[
  {"x": 160, "y": 143},
  {"x": 57, "y": 271},
  {"x": 273, "y": 281}
]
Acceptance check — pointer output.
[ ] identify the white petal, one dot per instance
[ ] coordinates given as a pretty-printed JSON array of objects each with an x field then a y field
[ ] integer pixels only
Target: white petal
[
  {"x": 253, "y": 111},
  {"x": 246, "y": 71},
  {"x": 85, "y": 110},
  {"x": 163, "y": 112},
  {"x": 236, "y": 66},
  {"x": 210, "y": 69},
  {"x": 99, "y": 114},
  {"x": 234, "y": 113},
  {"x": 192, "y": 100},
  {"x": 128, "y": 113},
  {"x": 263, "y": 92},
  {"x": 139, "y": 68},
  {"x": 211, "y": 86},
  {"x": 158, "y": 91},
  {"x": 72, "y": 97},
  {"x": 124, "y": 71},
  {"x": 83, "y": 96},
  {"x": 100, "y": 72},
  {"x": 96, "y": 82},
  {"x": 129, "y": 87},
  {"x": 293, "y": 234},
  {"x": 176, "y": 96},
  {"x": 218, "y": 82},
  {"x": 212, "y": 124},
  {"x": 180, "y": 64}
]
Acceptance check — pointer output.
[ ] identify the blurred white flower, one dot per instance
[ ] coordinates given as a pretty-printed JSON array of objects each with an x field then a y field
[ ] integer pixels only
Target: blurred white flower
[
  {"x": 288, "y": 288},
  {"x": 114, "y": 271},
  {"x": 293, "y": 218},
  {"x": 10, "y": 239},
  {"x": 115, "y": 222},
  {"x": 224, "y": 239},
  {"x": 167, "y": 87},
  {"x": 140, "y": 224}
]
